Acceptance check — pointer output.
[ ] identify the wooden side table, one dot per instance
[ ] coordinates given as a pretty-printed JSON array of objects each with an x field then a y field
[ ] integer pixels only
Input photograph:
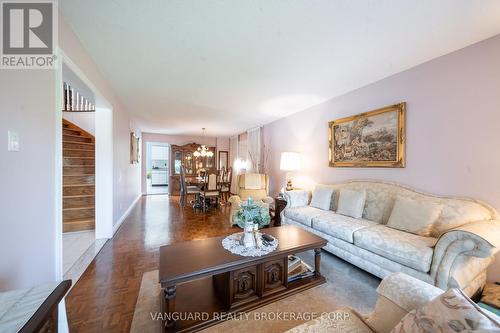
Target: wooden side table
[{"x": 280, "y": 204}]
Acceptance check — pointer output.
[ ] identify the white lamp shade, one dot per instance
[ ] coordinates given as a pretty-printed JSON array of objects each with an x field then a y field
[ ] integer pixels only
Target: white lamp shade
[{"x": 290, "y": 161}]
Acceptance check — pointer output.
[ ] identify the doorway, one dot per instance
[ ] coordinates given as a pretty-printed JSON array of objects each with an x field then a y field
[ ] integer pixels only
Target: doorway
[
  {"x": 86, "y": 156},
  {"x": 157, "y": 167}
]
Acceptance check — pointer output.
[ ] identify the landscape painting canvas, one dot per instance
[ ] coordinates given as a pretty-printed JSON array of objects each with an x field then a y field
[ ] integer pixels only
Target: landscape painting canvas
[
  {"x": 371, "y": 139},
  {"x": 134, "y": 148}
]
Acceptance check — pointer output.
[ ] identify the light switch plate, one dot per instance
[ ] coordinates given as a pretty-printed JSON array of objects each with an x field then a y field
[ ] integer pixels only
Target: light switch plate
[{"x": 13, "y": 141}]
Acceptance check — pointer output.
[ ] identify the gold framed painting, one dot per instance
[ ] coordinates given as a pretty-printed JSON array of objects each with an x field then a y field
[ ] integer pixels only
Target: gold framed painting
[
  {"x": 134, "y": 148},
  {"x": 370, "y": 139}
]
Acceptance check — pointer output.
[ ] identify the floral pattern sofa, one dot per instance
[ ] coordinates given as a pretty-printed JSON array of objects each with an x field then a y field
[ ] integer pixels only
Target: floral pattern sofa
[{"x": 462, "y": 245}]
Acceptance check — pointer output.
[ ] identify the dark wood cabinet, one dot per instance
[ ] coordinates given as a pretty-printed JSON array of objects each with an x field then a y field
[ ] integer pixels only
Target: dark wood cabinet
[{"x": 184, "y": 155}]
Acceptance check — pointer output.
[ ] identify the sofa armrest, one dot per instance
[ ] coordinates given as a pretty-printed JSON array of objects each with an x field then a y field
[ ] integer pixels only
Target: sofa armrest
[
  {"x": 462, "y": 253},
  {"x": 297, "y": 198},
  {"x": 406, "y": 291},
  {"x": 399, "y": 294},
  {"x": 488, "y": 231},
  {"x": 234, "y": 200}
]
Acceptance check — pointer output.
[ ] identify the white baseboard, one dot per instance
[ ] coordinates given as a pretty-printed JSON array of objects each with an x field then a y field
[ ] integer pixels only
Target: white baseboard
[{"x": 118, "y": 224}]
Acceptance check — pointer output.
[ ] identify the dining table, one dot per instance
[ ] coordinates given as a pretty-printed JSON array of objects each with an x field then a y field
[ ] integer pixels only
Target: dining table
[
  {"x": 200, "y": 183},
  {"x": 195, "y": 181}
]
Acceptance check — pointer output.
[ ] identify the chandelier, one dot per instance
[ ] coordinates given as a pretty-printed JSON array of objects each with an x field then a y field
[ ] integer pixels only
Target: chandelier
[{"x": 202, "y": 150}]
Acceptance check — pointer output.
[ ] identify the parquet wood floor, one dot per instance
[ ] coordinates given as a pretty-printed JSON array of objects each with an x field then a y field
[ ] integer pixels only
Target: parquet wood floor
[{"x": 104, "y": 298}]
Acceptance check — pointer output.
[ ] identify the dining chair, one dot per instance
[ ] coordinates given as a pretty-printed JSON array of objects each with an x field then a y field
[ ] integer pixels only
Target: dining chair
[
  {"x": 221, "y": 176},
  {"x": 225, "y": 187},
  {"x": 187, "y": 190},
  {"x": 209, "y": 189}
]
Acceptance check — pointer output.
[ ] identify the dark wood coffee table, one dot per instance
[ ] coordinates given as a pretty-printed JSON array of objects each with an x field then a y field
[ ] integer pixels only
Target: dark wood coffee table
[{"x": 202, "y": 283}]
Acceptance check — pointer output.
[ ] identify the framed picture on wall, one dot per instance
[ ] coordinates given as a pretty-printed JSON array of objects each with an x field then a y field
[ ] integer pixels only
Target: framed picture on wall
[
  {"x": 371, "y": 139},
  {"x": 134, "y": 148}
]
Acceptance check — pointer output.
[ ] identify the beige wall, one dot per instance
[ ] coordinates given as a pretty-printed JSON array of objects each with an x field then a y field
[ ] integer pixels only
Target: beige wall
[{"x": 27, "y": 178}]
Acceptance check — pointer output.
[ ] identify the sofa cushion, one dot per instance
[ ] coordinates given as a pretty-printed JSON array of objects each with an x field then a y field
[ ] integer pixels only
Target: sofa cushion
[
  {"x": 402, "y": 247},
  {"x": 304, "y": 214},
  {"x": 351, "y": 203},
  {"x": 254, "y": 194},
  {"x": 339, "y": 226},
  {"x": 415, "y": 216},
  {"x": 254, "y": 181},
  {"x": 322, "y": 197}
]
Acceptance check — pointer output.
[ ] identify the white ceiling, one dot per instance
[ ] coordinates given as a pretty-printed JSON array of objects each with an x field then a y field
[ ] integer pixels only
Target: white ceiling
[{"x": 230, "y": 65}]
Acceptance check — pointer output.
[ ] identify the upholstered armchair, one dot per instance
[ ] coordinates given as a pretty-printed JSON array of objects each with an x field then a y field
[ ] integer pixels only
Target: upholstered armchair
[
  {"x": 406, "y": 304},
  {"x": 398, "y": 294},
  {"x": 250, "y": 185}
]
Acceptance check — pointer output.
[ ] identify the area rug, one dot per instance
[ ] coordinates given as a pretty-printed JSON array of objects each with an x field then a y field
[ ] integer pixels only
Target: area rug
[{"x": 346, "y": 286}]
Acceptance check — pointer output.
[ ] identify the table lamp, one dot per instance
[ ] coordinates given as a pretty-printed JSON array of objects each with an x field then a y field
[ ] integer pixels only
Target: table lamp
[{"x": 290, "y": 161}]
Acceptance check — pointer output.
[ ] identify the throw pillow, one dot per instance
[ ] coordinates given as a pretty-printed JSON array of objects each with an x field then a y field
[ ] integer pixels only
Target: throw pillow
[
  {"x": 351, "y": 203},
  {"x": 322, "y": 197},
  {"x": 451, "y": 312},
  {"x": 416, "y": 217}
]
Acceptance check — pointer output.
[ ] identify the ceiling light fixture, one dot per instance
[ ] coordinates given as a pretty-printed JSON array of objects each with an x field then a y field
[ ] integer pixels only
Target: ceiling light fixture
[{"x": 202, "y": 150}]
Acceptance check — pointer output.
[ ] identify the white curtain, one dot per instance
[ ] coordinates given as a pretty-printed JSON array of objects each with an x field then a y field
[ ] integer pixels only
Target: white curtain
[
  {"x": 233, "y": 155},
  {"x": 253, "y": 150}
]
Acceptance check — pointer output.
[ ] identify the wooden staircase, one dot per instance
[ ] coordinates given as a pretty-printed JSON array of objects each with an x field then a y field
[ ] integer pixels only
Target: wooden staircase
[{"x": 78, "y": 178}]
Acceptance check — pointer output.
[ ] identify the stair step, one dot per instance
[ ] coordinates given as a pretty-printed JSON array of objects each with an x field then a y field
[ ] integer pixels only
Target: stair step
[
  {"x": 76, "y": 138},
  {"x": 78, "y": 145},
  {"x": 78, "y": 196},
  {"x": 78, "y": 170},
  {"x": 71, "y": 131},
  {"x": 78, "y": 153},
  {"x": 89, "y": 144},
  {"x": 78, "y": 201},
  {"x": 78, "y": 213},
  {"x": 78, "y": 225},
  {"x": 74, "y": 161},
  {"x": 78, "y": 189},
  {"x": 78, "y": 180}
]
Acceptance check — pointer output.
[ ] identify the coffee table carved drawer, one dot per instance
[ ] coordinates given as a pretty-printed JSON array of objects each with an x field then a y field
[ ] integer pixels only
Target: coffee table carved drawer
[
  {"x": 274, "y": 276},
  {"x": 244, "y": 286},
  {"x": 238, "y": 287}
]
